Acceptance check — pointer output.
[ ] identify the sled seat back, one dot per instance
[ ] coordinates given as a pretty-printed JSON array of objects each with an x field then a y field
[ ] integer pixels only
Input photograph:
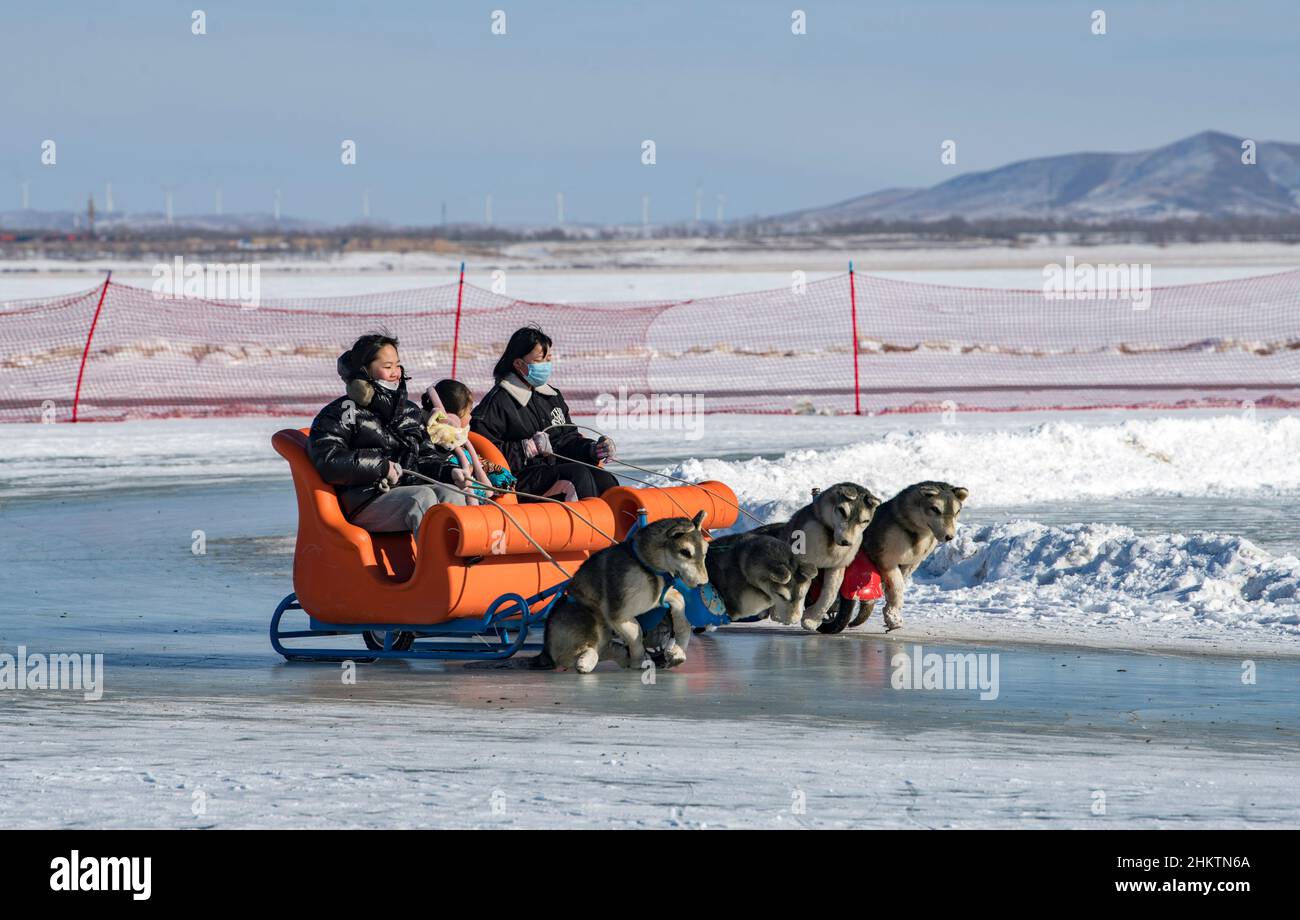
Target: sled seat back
[{"x": 711, "y": 496}]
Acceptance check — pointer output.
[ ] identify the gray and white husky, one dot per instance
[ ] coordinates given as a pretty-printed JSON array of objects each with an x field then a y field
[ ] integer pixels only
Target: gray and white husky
[
  {"x": 618, "y": 584},
  {"x": 754, "y": 573},
  {"x": 826, "y": 534},
  {"x": 904, "y": 531}
]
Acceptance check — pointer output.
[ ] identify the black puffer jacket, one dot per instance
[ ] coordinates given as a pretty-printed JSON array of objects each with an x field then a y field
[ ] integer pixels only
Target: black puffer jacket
[
  {"x": 353, "y": 438},
  {"x": 512, "y": 411}
]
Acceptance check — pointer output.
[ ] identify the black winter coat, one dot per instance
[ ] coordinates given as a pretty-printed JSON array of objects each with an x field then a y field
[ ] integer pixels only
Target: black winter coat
[
  {"x": 512, "y": 411},
  {"x": 354, "y": 437}
]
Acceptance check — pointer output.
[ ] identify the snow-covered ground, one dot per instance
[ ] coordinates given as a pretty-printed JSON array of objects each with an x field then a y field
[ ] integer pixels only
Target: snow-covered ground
[
  {"x": 1128, "y": 568},
  {"x": 642, "y": 270}
]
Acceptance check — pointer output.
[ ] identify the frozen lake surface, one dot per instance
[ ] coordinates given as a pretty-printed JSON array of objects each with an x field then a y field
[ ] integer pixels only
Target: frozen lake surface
[{"x": 759, "y": 729}]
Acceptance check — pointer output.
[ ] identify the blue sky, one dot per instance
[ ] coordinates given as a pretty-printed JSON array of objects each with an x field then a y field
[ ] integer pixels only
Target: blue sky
[{"x": 444, "y": 111}]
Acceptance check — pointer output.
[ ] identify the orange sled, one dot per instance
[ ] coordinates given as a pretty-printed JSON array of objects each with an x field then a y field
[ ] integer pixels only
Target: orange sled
[{"x": 473, "y": 587}]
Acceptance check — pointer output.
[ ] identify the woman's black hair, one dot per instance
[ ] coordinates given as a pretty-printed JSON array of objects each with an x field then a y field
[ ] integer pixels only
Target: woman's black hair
[
  {"x": 521, "y": 343},
  {"x": 455, "y": 396},
  {"x": 364, "y": 349}
]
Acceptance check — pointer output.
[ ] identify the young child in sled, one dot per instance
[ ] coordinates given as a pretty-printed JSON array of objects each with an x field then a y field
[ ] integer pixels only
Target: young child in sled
[{"x": 447, "y": 419}]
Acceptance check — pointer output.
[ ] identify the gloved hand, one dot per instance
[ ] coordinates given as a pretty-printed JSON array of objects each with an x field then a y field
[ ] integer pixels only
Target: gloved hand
[
  {"x": 605, "y": 450},
  {"x": 539, "y": 445},
  {"x": 394, "y": 473},
  {"x": 498, "y": 476}
]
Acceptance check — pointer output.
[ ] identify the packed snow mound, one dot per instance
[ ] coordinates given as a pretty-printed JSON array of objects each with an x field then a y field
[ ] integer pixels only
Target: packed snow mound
[
  {"x": 1099, "y": 573},
  {"x": 1055, "y": 461}
]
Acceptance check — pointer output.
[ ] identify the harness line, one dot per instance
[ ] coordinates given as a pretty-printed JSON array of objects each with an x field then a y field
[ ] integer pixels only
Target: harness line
[
  {"x": 508, "y": 515},
  {"x": 642, "y": 469}
]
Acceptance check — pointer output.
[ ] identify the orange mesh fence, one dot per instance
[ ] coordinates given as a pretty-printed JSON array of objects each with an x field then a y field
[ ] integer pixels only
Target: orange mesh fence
[{"x": 919, "y": 347}]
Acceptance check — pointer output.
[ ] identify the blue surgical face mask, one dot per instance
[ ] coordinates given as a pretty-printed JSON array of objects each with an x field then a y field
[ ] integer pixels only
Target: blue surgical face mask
[{"x": 539, "y": 373}]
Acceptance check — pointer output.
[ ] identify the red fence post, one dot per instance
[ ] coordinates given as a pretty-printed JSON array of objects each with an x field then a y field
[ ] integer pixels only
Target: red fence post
[
  {"x": 76, "y": 396},
  {"x": 853, "y": 313},
  {"x": 455, "y": 339}
]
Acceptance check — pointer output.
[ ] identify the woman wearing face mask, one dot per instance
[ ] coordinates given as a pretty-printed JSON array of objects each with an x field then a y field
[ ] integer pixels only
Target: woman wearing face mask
[
  {"x": 373, "y": 435},
  {"x": 528, "y": 420}
]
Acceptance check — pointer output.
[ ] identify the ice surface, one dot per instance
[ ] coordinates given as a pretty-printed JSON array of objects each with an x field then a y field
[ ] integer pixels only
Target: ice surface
[{"x": 289, "y": 746}]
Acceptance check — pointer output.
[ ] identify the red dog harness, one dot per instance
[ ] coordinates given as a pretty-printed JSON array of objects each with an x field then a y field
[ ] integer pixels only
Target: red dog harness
[{"x": 861, "y": 581}]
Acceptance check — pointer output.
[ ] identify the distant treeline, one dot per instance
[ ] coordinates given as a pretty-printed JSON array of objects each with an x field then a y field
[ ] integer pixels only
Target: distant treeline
[
  {"x": 242, "y": 245},
  {"x": 1193, "y": 230}
]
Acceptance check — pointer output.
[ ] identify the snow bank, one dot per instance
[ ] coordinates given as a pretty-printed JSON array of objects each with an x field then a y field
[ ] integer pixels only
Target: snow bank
[
  {"x": 1055, "y": 461},
  {"x": 1105, "y": 575}
]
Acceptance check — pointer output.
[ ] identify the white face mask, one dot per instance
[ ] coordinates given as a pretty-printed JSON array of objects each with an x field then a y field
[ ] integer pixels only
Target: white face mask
[{"x": 389, "y": 385}]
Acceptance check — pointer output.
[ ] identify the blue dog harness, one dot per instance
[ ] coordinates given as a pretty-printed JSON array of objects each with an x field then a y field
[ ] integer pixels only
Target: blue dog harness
[{"x": 703, "y": 605}]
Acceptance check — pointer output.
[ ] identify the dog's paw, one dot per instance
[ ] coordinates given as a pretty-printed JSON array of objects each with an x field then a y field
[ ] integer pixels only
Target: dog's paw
[
  {"x": 666, "y": 657},
  {"x": 893, "y": 620},
  {"x": 811, "y": 623},
  {"x": 587, "y": 661}
]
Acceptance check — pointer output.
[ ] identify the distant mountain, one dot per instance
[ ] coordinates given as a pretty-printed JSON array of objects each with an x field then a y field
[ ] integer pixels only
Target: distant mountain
[{"x": 1199, "y": 176}]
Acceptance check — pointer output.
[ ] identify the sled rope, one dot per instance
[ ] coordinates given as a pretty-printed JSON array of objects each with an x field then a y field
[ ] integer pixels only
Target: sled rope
[
  {"x": 546, "y": 498},
  {"x": 680, "y": 507},
  {"x": 685, "y": 482},
  {"x": 508, "y": 515}
]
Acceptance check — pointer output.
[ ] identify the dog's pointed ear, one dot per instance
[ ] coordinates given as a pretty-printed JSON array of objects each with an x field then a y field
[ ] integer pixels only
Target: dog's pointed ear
[
  {"x": 960, "y": 492},
  {"x": 872, "y": 500},
  {"x": 779, "y": 573},
  {"x": 680, "y": 528},
  {"x": 930, "y": 491},
  {"x": 699, "y": 519}
]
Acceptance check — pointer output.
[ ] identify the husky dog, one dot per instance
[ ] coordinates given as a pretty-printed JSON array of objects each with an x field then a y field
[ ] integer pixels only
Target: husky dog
[
  {"x": 905, "y": 530},
  {"x": 826, "y": 534},
  {"x": 755, "y": 572},
  {"x": 618, "y": 584}
]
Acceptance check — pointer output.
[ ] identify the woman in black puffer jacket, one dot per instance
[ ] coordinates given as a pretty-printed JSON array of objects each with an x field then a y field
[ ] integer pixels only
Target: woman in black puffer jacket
[
  {"x": 374, "y": 434},
  {"x": 528, "y": 420}
]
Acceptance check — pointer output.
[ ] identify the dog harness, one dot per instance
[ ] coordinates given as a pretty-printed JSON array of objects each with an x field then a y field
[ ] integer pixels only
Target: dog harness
[
  {"x": 658, "y": 573},
  {"x": 861, "y": 581},
  {"x": 704, "y": 607}
]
